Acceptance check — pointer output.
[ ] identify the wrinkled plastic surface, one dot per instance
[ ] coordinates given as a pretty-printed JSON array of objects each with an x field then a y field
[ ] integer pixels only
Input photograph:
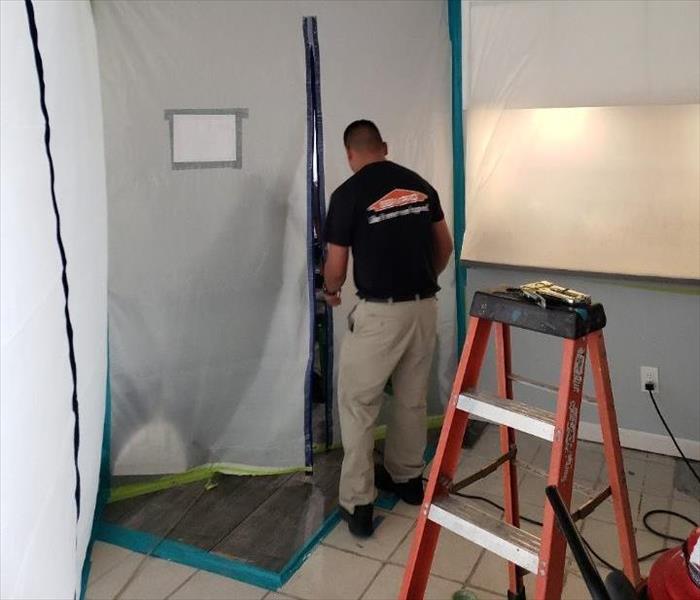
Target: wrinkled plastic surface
[
  {"x": 42, "y": 546},
  {"x": 208, "y": 295}
]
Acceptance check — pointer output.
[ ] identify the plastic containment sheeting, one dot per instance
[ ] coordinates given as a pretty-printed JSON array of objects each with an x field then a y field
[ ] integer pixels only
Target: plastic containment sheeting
[
  {"x": 583, "y": 136},
  {"x": 390, "y": 62},
  {"x": 43, "y": 545},
  {"x": 208, "y": 291}
]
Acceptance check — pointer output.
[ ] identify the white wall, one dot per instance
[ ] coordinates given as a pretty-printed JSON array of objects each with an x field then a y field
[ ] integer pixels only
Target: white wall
[
  {"x": 208, "y": 289},
  {"x": 583, "y": 136},
  {"x": 42, "y": 545},
  {"x": 623, "y": 53},
  {"x": 581, "y": 53}
]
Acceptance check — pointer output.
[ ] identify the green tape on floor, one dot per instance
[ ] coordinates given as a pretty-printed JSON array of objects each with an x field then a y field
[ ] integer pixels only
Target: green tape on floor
[
  {"x": 202, "y": 473},
  {"x": 206, "y": 472}
]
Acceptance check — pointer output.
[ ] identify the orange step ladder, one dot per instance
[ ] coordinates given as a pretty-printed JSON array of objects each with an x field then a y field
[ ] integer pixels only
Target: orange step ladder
[{"x": 581, "y": 329}]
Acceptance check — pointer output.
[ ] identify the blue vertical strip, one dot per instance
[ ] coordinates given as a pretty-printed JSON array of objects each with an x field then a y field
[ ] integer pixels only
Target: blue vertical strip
[
  {"x": 310, "y": 126},
  {"x": 454, "y": 11},
  {"x": 321, "y": 190}
]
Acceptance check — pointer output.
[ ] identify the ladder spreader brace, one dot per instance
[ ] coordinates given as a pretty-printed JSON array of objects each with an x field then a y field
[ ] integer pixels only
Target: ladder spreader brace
[{"x": 581, "y": 328}]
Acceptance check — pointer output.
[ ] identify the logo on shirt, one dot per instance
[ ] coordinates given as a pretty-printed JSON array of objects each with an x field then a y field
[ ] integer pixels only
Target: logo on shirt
[{"x": 384, "y": 208}]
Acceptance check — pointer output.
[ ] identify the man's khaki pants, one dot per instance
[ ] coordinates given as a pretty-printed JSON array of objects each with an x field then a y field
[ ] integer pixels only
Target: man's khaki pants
[{"x": 385, "y": 340}]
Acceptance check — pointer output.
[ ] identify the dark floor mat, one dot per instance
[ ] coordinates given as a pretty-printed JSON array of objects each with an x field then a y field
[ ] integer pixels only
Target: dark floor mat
[
  {"x": 260, "y": 520},
  {"x": 683, "y": 479}
]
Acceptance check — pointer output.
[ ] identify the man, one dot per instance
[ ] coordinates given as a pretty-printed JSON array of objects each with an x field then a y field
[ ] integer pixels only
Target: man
[{"x": 392, "y": 220}]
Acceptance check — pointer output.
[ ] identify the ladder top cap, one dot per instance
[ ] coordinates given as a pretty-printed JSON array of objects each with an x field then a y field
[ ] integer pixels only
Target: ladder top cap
[{"x": 510, "y": 306}]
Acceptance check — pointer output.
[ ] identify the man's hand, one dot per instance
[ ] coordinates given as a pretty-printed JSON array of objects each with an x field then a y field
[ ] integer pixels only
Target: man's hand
[{"x": 332, "y": 299}]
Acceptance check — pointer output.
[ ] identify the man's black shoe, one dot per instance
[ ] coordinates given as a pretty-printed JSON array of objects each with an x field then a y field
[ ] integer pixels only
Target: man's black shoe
[
  {"x": 360, "y": 521},
  {"x": 382, "y": 479},
  {"x": 411, "y": 491}
]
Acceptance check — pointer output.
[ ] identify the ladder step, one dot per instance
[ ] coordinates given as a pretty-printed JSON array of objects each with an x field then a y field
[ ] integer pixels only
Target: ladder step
[
  {"x": 466, "y": 520},
  {"x": 518, "y": 415}
]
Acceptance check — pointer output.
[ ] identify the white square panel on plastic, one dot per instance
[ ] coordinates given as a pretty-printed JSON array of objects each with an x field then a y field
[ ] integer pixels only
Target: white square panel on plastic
[{"x": 204, "y": 138}]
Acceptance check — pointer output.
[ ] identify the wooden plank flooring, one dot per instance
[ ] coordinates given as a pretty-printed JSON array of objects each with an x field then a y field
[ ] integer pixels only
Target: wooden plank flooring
[
  {"x": 223, "y": 509},
  {"x": 259, "y": 520},
  {"x": 263, "y": 521},
  {"x": 154, "y": 513}
]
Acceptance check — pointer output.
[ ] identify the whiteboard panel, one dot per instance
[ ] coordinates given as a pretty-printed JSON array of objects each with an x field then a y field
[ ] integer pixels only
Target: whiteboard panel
[
  {"x": 592, "y": 189},
  {"x": 204, "y": 138}
]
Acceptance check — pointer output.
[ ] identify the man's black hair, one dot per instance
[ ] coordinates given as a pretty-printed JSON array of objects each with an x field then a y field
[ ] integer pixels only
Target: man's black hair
[{"x": 362, "y": 135}]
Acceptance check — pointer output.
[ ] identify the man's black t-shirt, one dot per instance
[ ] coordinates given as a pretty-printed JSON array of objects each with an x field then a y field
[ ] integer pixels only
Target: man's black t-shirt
[{"x": 385, "y": 212}]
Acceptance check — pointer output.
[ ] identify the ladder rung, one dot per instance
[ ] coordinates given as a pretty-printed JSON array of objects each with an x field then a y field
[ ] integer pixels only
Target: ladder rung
[
  {"x": 468, "y": 521},
  {"x": 518, "y": 415}
]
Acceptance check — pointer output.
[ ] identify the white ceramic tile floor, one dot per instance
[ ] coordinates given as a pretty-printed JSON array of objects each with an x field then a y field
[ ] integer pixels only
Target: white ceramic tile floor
[
  {"x": 605, "y": 511},
  {"x": 207, "y": 586},
  {"x": 344, "y": 567},
  {"x": 110, "y": 584},
  {"x": 332, "y": 574},
  {"x": 635, "y": 470},
  {"x": 657, "y": 521},
  {"x": 533, "y": 512},
  {"x": 589, "y": 463},
  {"x": 106, "y": 557},
  {"x": 156, "y": 579},
  {"x": 658, "y": 479},
  {"x": 492, "y": 575},
  {"x": 454, "y": 559},
  {"x": 388, "y": 582},
  {"x": 574, "y": 588},
  {"x": 380, "y": 546},
  {"x": 528, "y": 446},
  {"x": 691, "y": 509},
  {"x": 406, "y": 510}
]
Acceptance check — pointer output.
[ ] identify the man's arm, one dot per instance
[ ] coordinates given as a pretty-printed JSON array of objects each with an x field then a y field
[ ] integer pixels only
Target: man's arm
[
  {"x": 334, "y": 271},
  {"x": 442, "y": 246}
]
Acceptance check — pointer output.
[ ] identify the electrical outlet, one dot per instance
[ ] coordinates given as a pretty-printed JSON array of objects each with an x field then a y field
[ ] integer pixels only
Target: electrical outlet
[{"x": 649, "y": 375}]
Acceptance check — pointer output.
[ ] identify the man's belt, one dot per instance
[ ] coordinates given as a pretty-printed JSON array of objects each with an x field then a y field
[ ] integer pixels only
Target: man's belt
[{"x": 400, "y": 298}]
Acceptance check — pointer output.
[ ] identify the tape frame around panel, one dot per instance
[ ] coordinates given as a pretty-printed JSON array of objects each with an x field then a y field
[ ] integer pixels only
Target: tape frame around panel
[{"x": 238, "y": 113}]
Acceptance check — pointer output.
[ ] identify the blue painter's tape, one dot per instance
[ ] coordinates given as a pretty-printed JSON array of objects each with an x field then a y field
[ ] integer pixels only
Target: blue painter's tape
[
  {"x": 315, "y": 59},
  {"x": 146, "y": 543},
  {"x": 454, "y": 11},
  {"x": 308, "y": 424},
  {"x": 386, "y": 501}
]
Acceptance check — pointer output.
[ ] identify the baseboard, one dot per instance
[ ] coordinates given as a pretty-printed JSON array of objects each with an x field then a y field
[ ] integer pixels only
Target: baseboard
[{"x": 641, "y": 440}]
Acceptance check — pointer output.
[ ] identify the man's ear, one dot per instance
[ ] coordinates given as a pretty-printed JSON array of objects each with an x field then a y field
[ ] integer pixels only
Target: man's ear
[
  {"x": 349, "y": 153},
  {"x": 385, "y": 148}
]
